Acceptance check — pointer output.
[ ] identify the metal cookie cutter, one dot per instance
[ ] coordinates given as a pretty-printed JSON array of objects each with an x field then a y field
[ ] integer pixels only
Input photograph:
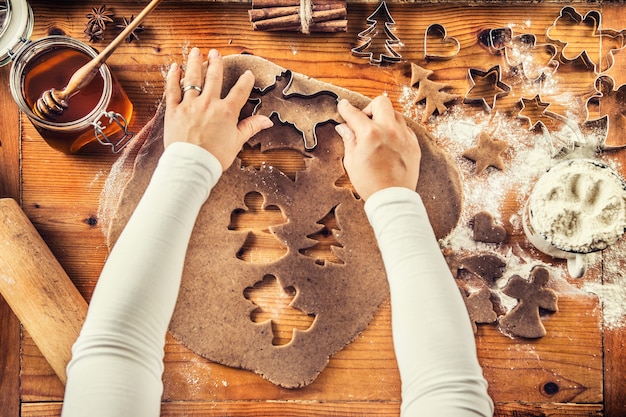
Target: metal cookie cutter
[
  {"x": 495, "y": 39},
  {"x": 608, "y": 40},
  {"x": 613, "y": 104},
  {"x": 532, "y": 110},
  {"x": 437, "y": 44},
  {"x": 486, "y": 85},
  {"x": 380, "y": 15},
  {"x": 521, "y": 52},
  {"x": 296, "y": 108}
]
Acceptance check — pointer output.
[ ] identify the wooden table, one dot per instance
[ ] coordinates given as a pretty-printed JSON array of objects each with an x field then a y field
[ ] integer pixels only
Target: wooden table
[{"x": 577, "y": 369}]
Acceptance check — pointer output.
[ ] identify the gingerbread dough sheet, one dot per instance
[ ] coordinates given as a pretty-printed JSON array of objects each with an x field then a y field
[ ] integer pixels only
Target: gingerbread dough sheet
[{"x": 213, "y": 314}]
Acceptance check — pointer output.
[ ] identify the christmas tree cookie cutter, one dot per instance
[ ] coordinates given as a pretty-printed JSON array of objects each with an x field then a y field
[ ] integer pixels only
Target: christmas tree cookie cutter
[
  {"x": 305, "y": 112},
  {"x": 438, "y": 45},
  {"x": 391, "y": 56},
  {"x": 489, "y": 87}
]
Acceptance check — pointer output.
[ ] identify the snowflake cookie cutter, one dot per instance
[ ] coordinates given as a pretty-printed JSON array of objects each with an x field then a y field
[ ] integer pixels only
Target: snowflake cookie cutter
[
  {"x": 392, "y": 40},
  {"x": 615, "y": 99},
  {"x": 438, "y": 45},
  {"x": 328, "y": 108},
  {"x": 519, "y": 52},
  {"x": 593, "y": 21},
  {"x": 491, "y": 86}
]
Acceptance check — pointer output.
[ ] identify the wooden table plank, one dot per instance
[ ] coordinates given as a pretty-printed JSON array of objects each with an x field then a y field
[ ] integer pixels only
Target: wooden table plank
[
  {"x": 10, "y": 332},
  {"x": 61, "y": 196}
]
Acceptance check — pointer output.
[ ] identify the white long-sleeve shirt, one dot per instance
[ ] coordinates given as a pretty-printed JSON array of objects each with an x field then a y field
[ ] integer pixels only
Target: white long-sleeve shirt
[{"x": 117, "y": 361}]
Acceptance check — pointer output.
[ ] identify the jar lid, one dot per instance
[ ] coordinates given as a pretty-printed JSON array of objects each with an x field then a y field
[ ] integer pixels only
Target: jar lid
[{"x": 16, "y": 25}]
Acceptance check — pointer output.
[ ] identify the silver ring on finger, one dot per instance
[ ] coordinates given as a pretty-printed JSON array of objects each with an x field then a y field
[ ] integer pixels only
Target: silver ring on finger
[{"x": 192, "y": 87}]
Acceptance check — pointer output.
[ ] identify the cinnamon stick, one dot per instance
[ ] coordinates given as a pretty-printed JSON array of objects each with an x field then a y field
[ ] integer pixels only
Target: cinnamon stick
[
  {"x": 271, "y": 12},
  {"x": 291, "y": 21}
]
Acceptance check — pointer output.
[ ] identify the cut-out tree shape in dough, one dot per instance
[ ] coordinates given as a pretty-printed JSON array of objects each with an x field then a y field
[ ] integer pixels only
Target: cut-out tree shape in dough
[
  {"x": 247, "y": 219},
  {"x": 305, "y": 113},
  {"x": 325, "y": 248},
  {"x": 430, "y": 91},
  {"x": 273, "y": 303},
  {"x": 524, "y": 319},
  {"x": 212, "y": 316}
]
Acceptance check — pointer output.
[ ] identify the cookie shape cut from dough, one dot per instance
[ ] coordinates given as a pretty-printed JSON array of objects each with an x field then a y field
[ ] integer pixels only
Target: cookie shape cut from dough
[
  {"x": 524, "y": 319},
  {"x": 486, "y": 230},
  {"x": 479, "y": 306},
  {"x": 486, "y": 153},
  {"x": 330, "y": 267},
  {"x": 430, "y": 91},
  {"x": 487, "y": 266}
]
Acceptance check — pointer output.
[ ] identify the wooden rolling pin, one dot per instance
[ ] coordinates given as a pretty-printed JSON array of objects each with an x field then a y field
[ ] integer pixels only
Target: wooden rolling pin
[{"x": 37, "y": 288}]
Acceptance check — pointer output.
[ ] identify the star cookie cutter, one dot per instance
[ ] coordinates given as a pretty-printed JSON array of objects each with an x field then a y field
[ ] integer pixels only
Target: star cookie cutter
[
  {"x": 593, "y": 20},
  {"x": 613, "y": 123},
  {"x": 537, "y": 108},
  {"x": 392, "y": 40},
  {"x": 519, "y": 53},
  {"x": 490, "y": 87},
  {"x": 438, "y": 45},
  {"x": 299, "y": 110}
]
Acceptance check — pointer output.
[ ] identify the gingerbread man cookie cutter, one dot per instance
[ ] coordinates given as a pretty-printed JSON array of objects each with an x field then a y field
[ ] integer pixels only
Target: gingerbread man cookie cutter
[
  {"x": 438, "y": 45},
  {"x": 593, "y": 20},
  {"x": 616, "y": 98}
]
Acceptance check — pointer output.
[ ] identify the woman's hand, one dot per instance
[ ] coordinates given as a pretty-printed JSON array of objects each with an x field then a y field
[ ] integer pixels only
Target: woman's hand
[
  {"x": 381, "y": 151},
  {"x": 199, "y": 115}
]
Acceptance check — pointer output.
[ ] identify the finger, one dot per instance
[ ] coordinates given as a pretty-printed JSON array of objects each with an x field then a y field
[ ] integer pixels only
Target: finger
[
  {"x": 353, "y": 116},
  {"x": 381, "y": 109},
  {"x": 214, "y": 75},
  {"x": 173, "y": 94},
  {"x": 346, "y": 134},
  {"x": 252, "y": 125},
  {"x": 239, "y": 94},
  {"x": 193, "y": 73}
]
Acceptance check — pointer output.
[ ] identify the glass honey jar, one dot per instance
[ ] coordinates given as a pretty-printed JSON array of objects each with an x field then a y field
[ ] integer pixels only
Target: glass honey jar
[{"x": 101, "y": 111}]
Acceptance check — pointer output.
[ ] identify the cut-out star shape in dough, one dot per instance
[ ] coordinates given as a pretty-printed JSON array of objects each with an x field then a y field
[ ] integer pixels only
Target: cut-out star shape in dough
[
  {"x": 486, "y": 153},
  {"x": 430, "y": 91}
]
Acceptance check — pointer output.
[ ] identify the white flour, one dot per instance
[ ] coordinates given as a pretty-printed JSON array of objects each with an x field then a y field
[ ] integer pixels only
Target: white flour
[{"x": 579, "y": 206}]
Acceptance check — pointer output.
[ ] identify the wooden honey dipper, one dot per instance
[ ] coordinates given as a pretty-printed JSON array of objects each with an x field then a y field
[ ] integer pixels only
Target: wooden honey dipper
[{"x": 53, "y": 102}]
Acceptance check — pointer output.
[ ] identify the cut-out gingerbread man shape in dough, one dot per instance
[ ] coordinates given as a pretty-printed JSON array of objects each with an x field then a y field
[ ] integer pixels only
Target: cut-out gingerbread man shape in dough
[{"x": 524, "y": 319}]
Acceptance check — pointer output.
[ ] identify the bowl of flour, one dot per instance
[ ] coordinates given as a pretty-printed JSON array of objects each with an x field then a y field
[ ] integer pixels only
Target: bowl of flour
[{"x": 576, "y": 207}]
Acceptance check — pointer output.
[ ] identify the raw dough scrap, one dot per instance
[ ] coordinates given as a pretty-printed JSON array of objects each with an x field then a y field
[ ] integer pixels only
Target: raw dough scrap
[
  {"x": 487, "y": 266},
  {"x": 486, "y": 153},
  {"x": 213, "y": 317},
  {"x": 430, "y": 91},
  {"x": 524, "y": 320},
  {"x": 486, "y": 230}
]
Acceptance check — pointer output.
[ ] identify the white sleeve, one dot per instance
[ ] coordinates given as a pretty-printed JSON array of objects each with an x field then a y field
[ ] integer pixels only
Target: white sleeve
[
  {"x": 432, "y": 334},
  {"x": 117, "y": 361}
]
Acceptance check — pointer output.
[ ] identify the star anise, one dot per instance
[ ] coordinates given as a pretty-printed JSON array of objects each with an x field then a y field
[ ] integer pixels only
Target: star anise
[
  {"x": 134, "y": 35},
  {"x": 100, "y": 17},
  {"x": 94, "y": 33}
]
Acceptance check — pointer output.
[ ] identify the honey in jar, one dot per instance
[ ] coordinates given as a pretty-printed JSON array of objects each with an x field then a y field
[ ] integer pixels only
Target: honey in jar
[{"x": 100, "y": 111}]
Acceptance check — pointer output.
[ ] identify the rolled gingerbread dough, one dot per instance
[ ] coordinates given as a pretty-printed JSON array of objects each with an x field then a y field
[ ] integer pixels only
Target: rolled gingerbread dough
[{"x": 213, "y": 316}]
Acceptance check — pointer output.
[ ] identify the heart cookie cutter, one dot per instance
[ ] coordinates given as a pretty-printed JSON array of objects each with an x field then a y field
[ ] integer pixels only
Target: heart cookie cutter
[
  {"x": 437, "y": 43},
  {"x": 491, "y": 87}
]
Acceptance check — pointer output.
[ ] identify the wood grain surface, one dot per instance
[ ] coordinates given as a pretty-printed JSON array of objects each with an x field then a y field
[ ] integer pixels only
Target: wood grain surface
[{"x": 60, "y": 194}]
